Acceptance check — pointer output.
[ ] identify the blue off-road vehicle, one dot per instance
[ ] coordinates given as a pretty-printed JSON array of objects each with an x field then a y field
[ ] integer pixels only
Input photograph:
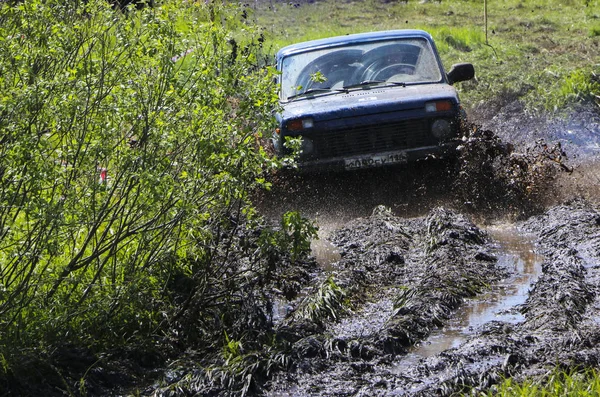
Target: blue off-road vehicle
[{"x": 367, "y": 100}]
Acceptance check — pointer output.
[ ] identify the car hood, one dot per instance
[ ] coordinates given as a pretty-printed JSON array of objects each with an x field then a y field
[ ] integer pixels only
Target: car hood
[{"x": 367, "y": 101}]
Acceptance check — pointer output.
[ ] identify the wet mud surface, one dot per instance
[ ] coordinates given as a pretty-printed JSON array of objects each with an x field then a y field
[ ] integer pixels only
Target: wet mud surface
[
  {"x": 449, "y": 276},
  {"x": 406, "y": 283}
]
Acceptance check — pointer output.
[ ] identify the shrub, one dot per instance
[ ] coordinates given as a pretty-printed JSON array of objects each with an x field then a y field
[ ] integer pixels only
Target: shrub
[{"x": 130, "y": 141}]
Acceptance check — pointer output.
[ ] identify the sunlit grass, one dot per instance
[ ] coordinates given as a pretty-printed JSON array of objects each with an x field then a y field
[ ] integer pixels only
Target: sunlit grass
[
  {"x": 576, "y": 384},
  {"x": 580, "y": 85},
  {"x": 463, "y": 39}
]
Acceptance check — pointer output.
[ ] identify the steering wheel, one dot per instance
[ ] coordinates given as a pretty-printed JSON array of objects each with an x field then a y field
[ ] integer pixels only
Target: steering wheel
[
  {"x": 388, "y": 72},
  {"x": 376, "y": 71}
]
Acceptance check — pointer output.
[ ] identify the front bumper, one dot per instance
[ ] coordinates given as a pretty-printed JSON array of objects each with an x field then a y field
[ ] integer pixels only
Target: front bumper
[{"x": 379, "y": 159}]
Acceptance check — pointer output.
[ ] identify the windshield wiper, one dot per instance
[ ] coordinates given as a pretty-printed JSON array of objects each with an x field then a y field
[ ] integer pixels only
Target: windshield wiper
[
  {"x": 367, "y": 83},
  {"x": 316, "y": 90}
]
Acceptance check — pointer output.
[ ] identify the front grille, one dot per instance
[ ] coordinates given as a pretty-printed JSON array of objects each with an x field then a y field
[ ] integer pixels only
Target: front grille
[{"x": 372, "y": 139}]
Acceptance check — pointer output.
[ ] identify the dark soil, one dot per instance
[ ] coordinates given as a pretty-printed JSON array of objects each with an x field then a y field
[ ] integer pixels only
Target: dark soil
[
  {"x": 405, "y": 278},
  {"x": 76, "y": 371}
]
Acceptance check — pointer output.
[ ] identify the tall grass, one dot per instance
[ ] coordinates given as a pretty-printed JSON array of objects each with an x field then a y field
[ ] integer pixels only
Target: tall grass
[
  {"x": 453, "y": 38},
  {"x": 557, "y": 384},
  {"x": 575, "y": 86}
]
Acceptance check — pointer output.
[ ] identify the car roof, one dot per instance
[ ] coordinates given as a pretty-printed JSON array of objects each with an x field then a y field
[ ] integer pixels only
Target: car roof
[{"x": 352, "y": 38}]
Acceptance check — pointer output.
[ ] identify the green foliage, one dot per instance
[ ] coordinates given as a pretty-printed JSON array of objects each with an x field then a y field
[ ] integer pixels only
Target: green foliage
[
  {"x": 298, "y": 233},
  {"x": 129, "y": 142},
  {"x": 327, "y": 302},
  {"x": 4, "y": 364},
  {"x": 577, "y": 86},
  {"x": 294, "y": 237},
  {"x": 559, "y": 383},
  {"x": 318, "y": 77},
  {"x": 232, "y": 349},
  {"x": 294, "y": 146}
]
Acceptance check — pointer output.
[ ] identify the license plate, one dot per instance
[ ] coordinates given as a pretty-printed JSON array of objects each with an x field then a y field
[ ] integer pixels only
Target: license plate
[{"x": 355, "y": 163}]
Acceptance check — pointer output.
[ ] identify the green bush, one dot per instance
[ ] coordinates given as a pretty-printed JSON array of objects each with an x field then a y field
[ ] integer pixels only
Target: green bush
[{"x": 130, "y": 143}]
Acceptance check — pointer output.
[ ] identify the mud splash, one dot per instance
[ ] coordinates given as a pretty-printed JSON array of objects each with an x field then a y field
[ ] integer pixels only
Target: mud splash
[
  {"x": 578, "y": 131},
  {"x": 336, "y": 198},
  {"x": 325, "y": 252}
]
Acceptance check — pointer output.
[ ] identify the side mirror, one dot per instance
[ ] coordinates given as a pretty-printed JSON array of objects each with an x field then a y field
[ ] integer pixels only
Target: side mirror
[{"x": 461, "y": 72}]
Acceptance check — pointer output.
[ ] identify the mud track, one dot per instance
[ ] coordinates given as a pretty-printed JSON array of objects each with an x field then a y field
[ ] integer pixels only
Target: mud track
[
  {"x": 398, "y": 280},
  {"x": 407, "y": 253}
]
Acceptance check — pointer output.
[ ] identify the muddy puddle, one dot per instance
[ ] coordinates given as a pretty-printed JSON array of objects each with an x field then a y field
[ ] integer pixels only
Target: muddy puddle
[
  {"x": 437, "y": 305},
  {"x": 411, "y": 329},
  {"x": 516, "y": 252}
]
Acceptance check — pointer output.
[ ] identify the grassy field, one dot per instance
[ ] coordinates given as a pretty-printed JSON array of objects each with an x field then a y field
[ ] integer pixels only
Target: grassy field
[{"x": 546, "y": 53}]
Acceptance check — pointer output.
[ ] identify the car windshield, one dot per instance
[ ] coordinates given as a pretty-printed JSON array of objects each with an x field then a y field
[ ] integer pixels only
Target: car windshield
[{"x": 405, "y": 61}]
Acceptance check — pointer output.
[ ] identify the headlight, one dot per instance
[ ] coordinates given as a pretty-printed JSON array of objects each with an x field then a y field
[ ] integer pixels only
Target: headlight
[
  {"x": 439, "y": 106},
  {"x": 441, "y": 128},
  {"x": 299, "y": 124},
  {"x": 307, "y": 146}
]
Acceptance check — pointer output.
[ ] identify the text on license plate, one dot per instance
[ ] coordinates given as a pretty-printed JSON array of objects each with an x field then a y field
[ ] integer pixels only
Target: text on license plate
[{"x": 375, "y": 161}]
